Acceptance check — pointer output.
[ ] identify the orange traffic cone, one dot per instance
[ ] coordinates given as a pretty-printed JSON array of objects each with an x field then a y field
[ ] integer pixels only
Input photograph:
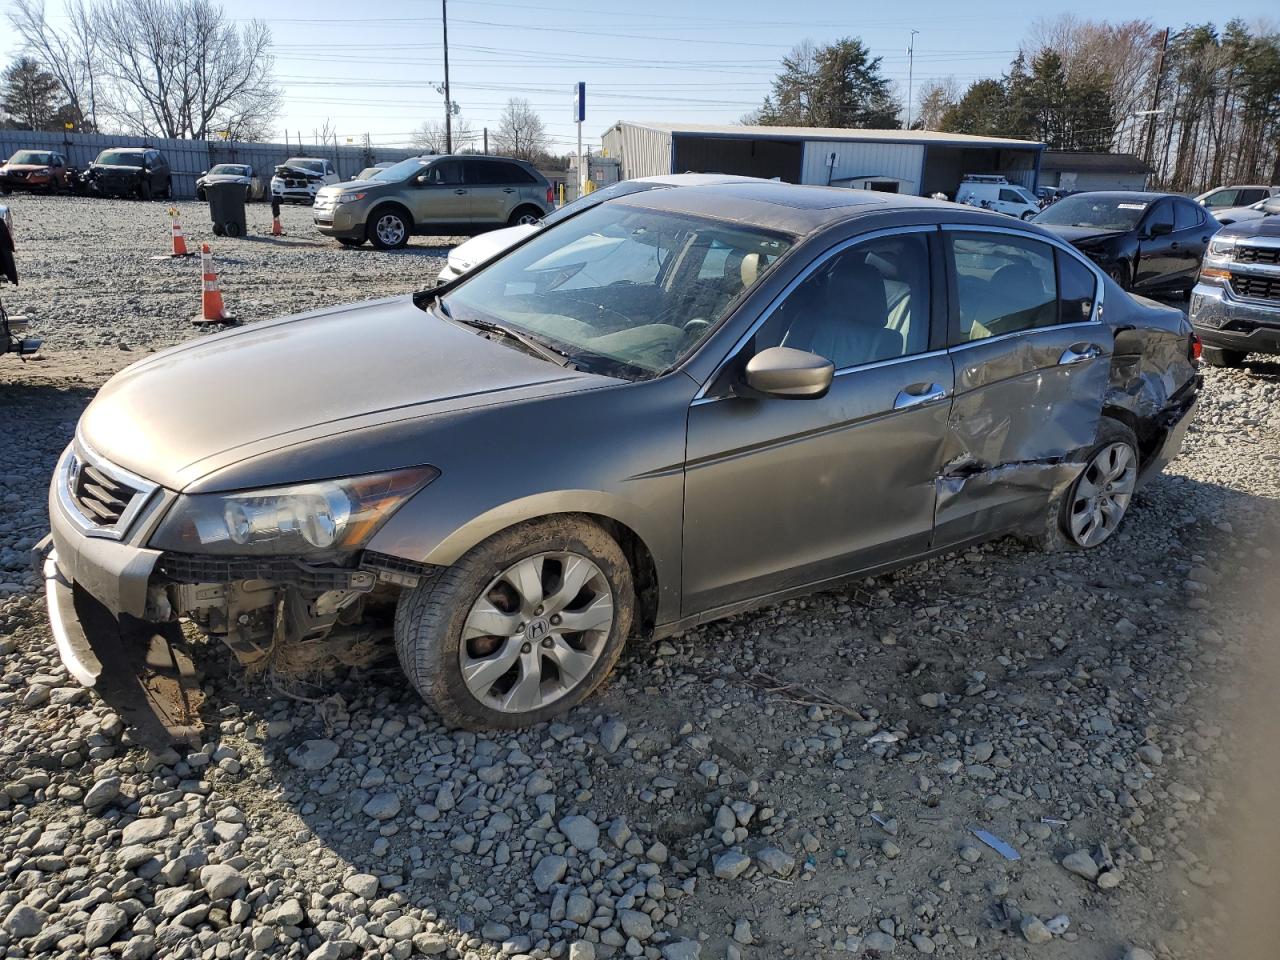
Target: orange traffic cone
[
  {"x": 276, "y": 229},
  {"x": 178, "y": 240},
  {"x": 212, "y": 309}
]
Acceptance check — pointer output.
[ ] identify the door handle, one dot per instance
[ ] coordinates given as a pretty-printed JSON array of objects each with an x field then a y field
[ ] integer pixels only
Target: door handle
[
  {"x": 459, "y": 191},
  {"x": 1174, "y": 245},
  {"x": 927, "y": 393},
  {"x": 508, "y": 189},
  {"x": 1085, "y": 352}
]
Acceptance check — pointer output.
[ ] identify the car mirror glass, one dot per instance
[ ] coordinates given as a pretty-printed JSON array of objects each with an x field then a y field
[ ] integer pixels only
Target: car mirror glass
[{"x": 788, "y": 373}]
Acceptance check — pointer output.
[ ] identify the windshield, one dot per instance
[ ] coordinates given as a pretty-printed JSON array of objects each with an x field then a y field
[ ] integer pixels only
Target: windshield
[
  {"x": 1092, "y": 210},
  {"x": 231, "y": 170},
  {"x": 120, "y": 158},
  {"x": 31, "y": 156},
  {"x": 620, "y": 290},
  {"x": 588, "y": 200},
  {"x": 402, "y": 170},
  {"x": 315, "y": 166}
]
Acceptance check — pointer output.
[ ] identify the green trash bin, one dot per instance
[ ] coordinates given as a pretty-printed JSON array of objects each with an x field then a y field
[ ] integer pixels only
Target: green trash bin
[{"x": 226, "y": 208}]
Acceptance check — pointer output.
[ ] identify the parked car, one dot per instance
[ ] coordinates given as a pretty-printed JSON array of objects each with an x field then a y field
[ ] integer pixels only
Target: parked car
[
  {"x": 242, "y": 173},
  {"x": 672, "y": 407},
  {"x": 12, "y": 329},
  {"x": 1148, "y": 242},
  {"x": 1235, "y": 307},
  {"x": 433, "y": 195},
  {"x": 1236, "y": 196},
  {"x": 998, "y": 194},
  {"x": 45, "y": 170},
  {"x": 468, "y": 255},
  {"x": 368, "y": 173},
  {"x": 299, "y": 179},
  {"x": 1255, "y": 211},
  {"x": 141, "y": 172}
]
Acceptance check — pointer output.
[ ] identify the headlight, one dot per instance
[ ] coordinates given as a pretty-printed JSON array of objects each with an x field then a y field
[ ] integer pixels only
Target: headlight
[
  {"x": 1222, "y": 247},
  {"x": 351, "y": 196},
  {"x": 326, "y": 516},
  {"x": 42, "y": 172}
]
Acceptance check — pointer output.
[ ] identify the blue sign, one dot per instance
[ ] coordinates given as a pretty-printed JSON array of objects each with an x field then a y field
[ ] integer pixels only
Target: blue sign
[{"x": 580, "y": 103}]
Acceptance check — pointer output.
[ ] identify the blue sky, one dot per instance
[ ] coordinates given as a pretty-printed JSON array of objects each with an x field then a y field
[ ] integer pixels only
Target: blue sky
[{"x": 372, "y": 67}]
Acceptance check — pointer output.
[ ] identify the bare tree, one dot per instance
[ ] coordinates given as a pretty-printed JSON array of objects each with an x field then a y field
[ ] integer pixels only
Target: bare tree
[
  {"x": 430, "y": 137},
  {"x": 935, "y": 99},
  {"x": 68, "y": 54},
  {"x": 180, "y": 68},
  {"x": 520, "y": 132}
]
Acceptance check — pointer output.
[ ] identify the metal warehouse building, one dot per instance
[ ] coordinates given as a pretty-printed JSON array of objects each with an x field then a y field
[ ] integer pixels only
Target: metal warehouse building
[{"x": 898, "y": 161}]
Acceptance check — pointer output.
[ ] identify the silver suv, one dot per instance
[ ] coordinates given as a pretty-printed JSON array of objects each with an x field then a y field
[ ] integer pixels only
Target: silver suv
[{"x": 442, "y": 195}]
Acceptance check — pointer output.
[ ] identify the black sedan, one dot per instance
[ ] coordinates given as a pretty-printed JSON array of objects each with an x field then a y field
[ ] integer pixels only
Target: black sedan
[{"x": 1148, "y": 242}]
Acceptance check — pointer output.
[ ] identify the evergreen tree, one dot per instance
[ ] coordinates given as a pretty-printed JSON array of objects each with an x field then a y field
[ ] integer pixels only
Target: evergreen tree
[
  {"x": 29, "y": 94},
  {"x": 838, "y": 85}
]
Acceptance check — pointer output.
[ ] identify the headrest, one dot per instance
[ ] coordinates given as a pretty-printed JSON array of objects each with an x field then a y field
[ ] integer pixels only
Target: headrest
[{"x": 750, "y": 269}]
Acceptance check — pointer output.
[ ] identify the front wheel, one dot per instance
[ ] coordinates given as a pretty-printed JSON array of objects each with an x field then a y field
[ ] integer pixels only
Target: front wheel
[
  {"x": 1120, "y": 274},
  {"x": 1222, "y": 357},
  {"x": 168, "y": 189},
  {"x": 522, "y": 628},
  {"x": 144, "y": 190},
  {"x": 388, "y": 230}
]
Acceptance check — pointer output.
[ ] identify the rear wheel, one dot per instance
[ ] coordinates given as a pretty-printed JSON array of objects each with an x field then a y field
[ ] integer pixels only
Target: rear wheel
[
  {"x": 524, "y": 215},
  {"x": 522, "y": 628},
  {"x": 1222, "y": 357},
  {"x": 1120, "y": 274},
  {"x": 388, "y": 229},
  {"x": 1091, "y": 510}
]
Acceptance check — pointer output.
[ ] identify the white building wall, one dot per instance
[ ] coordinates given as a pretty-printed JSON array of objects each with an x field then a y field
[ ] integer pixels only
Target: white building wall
[
  {"x": 642, "y": 152},
  {"x": 900, "y": 161}
]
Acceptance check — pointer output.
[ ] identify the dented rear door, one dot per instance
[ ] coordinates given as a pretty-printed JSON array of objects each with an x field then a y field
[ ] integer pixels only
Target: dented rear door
[{"x": 1031, "y": 360}]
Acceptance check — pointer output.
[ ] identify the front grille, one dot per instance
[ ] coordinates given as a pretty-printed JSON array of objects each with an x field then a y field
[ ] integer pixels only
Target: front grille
[
  {"x": 192, "y": 568},
  {"x": 1256, "y": 288},
  {"x": 101, "y": 499},
  {"x": 1258, "y": 255}
]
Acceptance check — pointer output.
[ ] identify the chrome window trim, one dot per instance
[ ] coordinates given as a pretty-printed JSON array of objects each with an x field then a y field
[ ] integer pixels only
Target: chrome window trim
[
  {"x": 1099, "y": 284},
  {"x": 795, "y": 281},
  {"x": 77, "y": 452}
]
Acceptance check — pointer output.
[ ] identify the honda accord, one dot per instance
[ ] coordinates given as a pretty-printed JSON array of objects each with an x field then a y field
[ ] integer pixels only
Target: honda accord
[{"x": 672, "y": 407}]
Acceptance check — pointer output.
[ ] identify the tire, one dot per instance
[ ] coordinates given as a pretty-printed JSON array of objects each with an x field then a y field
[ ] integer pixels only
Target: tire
[
  {"x": 1120, "y": 274},
  {"x": 168, "y": 189},
  {"x": 388, "y": 229},
  {"x": 144, "y": 190},
  {"x": 200, "y": 194},
  {"x": 431, "y": 620},
  {"x": 1026, "y": 215},
  {"x": 525, "y": 214},
  {"x": 351, "y": 241},
  {"x": 1067, "y": 526},
  {"x": 1222, "y": 357},
  {"x": 232, "y": 229},
  {"x": 219, "y": 230}
]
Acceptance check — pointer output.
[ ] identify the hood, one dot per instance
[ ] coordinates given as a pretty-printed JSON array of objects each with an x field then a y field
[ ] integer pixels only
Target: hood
[
  {"x": 480, "y": 248},
  {"x": 187, "y": 412},
  {"x": 115, "y": 168},
  {"x": 333, "y": 189},
  {"x": 225, "y": 178},
  {"x": 1268, "y": 226},
  {"x": 1082, "y": 236},
  {"x": 24, "y": 167}
]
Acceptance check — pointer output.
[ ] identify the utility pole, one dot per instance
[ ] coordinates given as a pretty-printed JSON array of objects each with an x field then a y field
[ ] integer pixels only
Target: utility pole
[
  {"x": 911, "y": 63},
  {"x": 1155, "y": 98},
  {"x": 448, "y": 102},
  {"x": 486, "y": 140}
]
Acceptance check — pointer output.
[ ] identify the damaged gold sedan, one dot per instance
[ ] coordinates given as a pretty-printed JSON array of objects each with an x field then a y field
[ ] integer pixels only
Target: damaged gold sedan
[{"x": 668, "y": 408}]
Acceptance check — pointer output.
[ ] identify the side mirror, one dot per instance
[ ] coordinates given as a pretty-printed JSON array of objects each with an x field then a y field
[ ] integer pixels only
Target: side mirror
[
  {"x": 788, "y": 373},
  {"x": 1161, "y": 228},
  {"x": 421, "y": 178},
  {"x": 203, "y": 172}
]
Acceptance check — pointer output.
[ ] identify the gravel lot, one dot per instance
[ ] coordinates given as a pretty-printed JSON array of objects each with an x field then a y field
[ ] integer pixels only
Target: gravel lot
[{"x": 797, "y": 782}]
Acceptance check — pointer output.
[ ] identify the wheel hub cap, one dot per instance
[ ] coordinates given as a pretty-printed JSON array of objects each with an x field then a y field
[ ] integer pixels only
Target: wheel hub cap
[{"x": 535, "y": 631}]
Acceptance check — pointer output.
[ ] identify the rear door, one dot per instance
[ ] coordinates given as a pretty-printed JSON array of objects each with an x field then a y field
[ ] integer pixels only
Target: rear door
[
  {"x": 1158, "y": 259},
  {"x": 439, "y": 195},
  {"x": 1031, "y": 361},
  {"x": 490, "y": 188}
]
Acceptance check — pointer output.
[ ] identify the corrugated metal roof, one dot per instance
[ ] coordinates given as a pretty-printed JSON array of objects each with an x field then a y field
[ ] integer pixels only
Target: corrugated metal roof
[
  {"x": 1093, "y": 162},
  {"x": 760, "y": 132}
]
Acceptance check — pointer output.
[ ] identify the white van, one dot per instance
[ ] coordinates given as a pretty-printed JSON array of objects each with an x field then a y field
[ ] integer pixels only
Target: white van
[{"x": 998, "y": 194}]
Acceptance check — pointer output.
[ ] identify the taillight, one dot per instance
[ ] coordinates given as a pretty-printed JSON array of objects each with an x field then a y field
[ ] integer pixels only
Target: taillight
[
  {"x": 1197, "y": 346},
  {"x": 551, "y": 196}
]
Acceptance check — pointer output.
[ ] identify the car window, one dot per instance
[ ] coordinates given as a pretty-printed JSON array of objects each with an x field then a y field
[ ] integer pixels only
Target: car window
[
  {"x": 1249, "y": 196},
  {"x": 1077, "y": 288},
  {"x": 444, "y": 172},
  {"x": 1009, "y": 196},
  {"x": 1003, "y": 284},
  {"x": 1160, "y": 213},
  {"x": 1222, "y": 198},
  {"x": 867, "y": 303},
  {"x": 1187, "y": 215},
  {"x": 619, "y": 288}
]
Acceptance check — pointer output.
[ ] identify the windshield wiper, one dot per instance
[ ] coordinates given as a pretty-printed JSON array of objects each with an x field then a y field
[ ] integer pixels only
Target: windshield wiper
[{"x": 532, "y": 344}]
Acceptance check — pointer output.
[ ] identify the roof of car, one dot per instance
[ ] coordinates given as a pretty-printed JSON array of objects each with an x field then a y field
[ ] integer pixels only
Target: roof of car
[{"x": 788, "y": 207}]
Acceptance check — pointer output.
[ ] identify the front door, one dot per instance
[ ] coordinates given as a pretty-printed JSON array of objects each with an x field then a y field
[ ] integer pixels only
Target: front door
[
  {"x": 782, "y": 493},
  {"x": 440, "y": 195},
  {"x": 1158, "y": 256},
  {"x": 1031, "y": 360}
]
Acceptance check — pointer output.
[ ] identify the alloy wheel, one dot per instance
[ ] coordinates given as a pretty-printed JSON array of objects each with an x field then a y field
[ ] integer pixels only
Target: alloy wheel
[
  {"x": 1102, "y": 494},
  {"x": 536, "y": 631},
  {"x": 526, "y": 219},
  {"x": 390, "y": 230}
]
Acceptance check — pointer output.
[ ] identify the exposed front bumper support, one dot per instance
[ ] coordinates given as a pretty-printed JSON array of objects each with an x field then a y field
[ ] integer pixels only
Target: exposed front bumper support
[{"x": 74, "y": 648}]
